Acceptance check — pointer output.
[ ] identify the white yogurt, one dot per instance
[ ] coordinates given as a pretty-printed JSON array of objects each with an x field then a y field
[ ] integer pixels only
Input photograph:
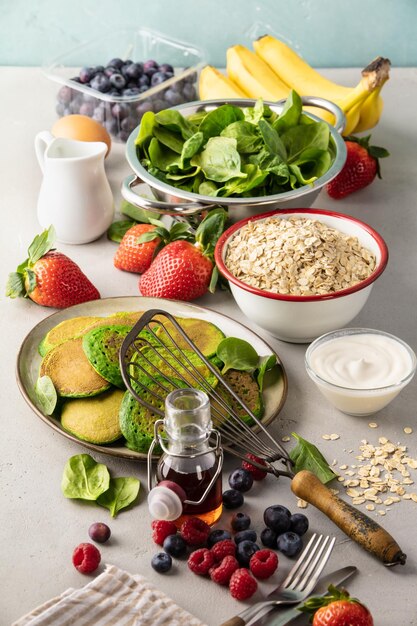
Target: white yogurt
[{"x": 360, "y": 370}]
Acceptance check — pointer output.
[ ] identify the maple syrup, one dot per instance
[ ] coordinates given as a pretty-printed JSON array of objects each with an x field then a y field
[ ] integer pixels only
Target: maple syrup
[{"x": 190, "y": 460}]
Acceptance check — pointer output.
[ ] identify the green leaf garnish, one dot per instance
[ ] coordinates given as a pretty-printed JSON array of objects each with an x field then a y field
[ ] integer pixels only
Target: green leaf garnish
[
  {"x": 84, "y": 478},
  {"x": 306, "y": 456},
  {"x": 121, "y": 492},
  {"x": 46, "y": 394}
]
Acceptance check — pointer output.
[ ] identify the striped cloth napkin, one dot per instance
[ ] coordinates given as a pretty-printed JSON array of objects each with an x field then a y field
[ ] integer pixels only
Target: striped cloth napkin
[{"x": 114, "y": 598}]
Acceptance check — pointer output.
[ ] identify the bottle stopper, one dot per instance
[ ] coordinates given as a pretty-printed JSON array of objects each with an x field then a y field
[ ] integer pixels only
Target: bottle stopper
[{"x": 165, "y": 500}]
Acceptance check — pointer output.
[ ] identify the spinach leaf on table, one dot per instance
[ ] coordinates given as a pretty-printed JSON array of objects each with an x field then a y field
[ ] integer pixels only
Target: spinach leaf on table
[
  {"x": 84, "y": 478},
  {"x": 306, "y": 456},
  {"x": 122, "y": 491}
]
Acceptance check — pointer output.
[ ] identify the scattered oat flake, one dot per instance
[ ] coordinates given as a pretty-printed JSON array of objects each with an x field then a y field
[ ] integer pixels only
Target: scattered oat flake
[
  {"x": 285, "y": 438},
  {"x": 370, "y": 507},
  {"x": 373, "y": 425},
  {"x": 326, "y": 437},
  {"x": 408, "y": 430},
  {"x": 334, "y": 436},
  {"x": 302, "y": 504},
  {"x": 382, "y": 512}
]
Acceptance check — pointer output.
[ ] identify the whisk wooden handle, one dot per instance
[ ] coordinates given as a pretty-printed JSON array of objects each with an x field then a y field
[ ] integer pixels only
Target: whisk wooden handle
[
  {"x": 358, "y": 526},
  {"x": 234, "y": 621}
]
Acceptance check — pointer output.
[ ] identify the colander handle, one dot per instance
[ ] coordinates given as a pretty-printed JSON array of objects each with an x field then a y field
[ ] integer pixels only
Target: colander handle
[
  {"x": 358, "y": 526},
  {"x": 327, "y": 105},
  {"x": 156, "y": 206}
]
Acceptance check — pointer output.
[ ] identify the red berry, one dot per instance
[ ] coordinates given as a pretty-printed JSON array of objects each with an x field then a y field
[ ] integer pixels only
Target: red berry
[
  {"x": 161, "y": 529},
  {"x": 195, "y": 531},
  {"x": 257, "y": 474},
  {"x": 132, "y": 256},
  {"x": 222, "y": 572},
  {"x": 200, "y": 561},
  {"x": 242, "y": 584},
  {"x": 86, "y": 558},
  {"x": 227, "y": 547},
  {"x": 263, "y": 563},
  {"x": 343, "y": 613}
]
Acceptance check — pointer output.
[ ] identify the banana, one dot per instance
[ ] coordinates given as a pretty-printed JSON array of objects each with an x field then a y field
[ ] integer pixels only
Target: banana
[
  {"x": 371, "y": 111},
  {"x": 213, "y": 84},
  {"x": 253, "y": 75},
  {"x": 294, "y": 71}
]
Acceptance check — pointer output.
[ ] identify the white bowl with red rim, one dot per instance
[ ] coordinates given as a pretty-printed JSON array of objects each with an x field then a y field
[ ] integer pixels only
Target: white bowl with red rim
[{"x": 300, "y": 319}]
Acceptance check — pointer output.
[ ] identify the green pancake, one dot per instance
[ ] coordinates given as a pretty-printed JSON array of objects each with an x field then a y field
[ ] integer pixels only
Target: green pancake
[
  {"x": 95, "y": 420},
  {"x": 102, "y": 346},
  {"x": 68, "y": 329},
  {"x": 71, "y": 372},
  {"x": 205, "y": 335},
  {"x": 136, "y": 421},
  {"x": 247, "y": 389},
  {"x": 164, "y": 361}
]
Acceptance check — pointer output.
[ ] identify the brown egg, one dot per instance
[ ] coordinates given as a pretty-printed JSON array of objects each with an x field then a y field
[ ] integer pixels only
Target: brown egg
[{"x": 81, "y": 128}]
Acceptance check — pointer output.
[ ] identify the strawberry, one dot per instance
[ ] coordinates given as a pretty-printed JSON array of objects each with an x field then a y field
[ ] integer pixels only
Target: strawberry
[
  {"x": 360, "y": 169},
  {"x": 50, "y": 278},
  {"x": 133, "y": 256},
  {"x": 337, "y": 608},
  {"x": 183, "y": 270}
]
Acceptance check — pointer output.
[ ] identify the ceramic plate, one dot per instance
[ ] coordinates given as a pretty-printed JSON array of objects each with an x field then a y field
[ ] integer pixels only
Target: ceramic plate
[{"x": 28, "y": 360}]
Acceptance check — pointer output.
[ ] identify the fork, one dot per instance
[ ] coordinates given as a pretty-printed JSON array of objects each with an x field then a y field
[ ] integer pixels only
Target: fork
[{"x": 299, "y": 583}]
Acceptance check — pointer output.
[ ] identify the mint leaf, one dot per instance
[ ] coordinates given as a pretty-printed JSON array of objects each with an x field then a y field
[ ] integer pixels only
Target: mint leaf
[
  {"x": 46, "y": 394},
  {"x": 306, "y": 456}
]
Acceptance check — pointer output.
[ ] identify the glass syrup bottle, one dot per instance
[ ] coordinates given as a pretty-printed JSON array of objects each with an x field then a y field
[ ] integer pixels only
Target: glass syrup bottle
[{"x": 189, "y": 459}]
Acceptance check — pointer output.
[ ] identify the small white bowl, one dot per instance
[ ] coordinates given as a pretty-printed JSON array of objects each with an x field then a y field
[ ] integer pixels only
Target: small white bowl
[
  {"x": 346, "y": 356},
  {"x": 300, "y": 319}
]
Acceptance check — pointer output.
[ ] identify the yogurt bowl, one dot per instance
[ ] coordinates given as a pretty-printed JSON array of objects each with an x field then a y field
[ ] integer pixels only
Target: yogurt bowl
[
  {"x": 360, "y": 370},
  {"x": 287, "y": 316}
]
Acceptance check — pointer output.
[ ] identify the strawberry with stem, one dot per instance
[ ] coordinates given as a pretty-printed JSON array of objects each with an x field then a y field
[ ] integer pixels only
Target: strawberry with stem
[
  {"x": 49, "y": 277},
  {"x": 337, "y": 608},
  {"x": 184, "y": 269}
]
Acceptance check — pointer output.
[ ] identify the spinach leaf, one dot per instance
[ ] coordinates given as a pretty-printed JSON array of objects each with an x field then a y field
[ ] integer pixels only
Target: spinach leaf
[
  {"x": 118, "y": 229},
  {"x": 207, "y": 188},
  {"x": 173, "y": 120},
  {"x": 290, "y": 114},
  {"x": 220, "y": 160},
  {"x": 255, "y": 113},
  {"x": 237, "y": 354},
  {"x": 242, "y": 186},
  {"x": 171, "y": 140},
  {"x": 121, "y": 492},
  {"x": 46, "y": 394},
  {"x": 145, "y": 133},
  {"x": 246, "y": 135},
  {"x": 306, "y": 456},
  {"x": 272, "y": 164},
  {"x": 136, "y": 213},
  {"x": 272, "y": 140},
  {"x": 298, "y": 138},
  {"x": 161, "y": 157},
  {"x": 191, "y": 147},
  {"x": 265, "y": 363},
  {"x": 215, "y": 121},
  {"x": 84, "y": 478}
]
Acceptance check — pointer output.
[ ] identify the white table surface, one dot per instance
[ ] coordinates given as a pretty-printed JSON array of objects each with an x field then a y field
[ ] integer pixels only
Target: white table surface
[{"x": 40, "y": 528}]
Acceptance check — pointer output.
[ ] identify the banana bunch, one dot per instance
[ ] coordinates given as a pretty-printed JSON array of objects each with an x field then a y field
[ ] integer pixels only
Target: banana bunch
[{"x": 274, "y": 69}]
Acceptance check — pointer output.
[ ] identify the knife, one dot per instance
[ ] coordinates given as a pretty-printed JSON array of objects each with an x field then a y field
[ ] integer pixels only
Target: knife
[{"x": 286, "y": 617}]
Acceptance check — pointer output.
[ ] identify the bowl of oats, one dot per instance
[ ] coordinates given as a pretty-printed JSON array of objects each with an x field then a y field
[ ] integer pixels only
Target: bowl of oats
[{"x": 300, "y": 273}]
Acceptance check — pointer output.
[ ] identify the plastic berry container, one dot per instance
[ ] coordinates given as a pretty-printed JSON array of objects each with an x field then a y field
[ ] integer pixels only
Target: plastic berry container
[{"x": 120, "y": 110}]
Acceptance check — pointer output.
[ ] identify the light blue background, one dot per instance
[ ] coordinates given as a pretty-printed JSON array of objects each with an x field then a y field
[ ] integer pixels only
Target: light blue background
[{"x": 327, "y": 33}]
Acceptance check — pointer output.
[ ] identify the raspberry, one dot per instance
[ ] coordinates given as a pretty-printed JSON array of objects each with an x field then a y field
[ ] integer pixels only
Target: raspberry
[
  {"x": 242, "y": 584},
  {"x": 86, "y": 558},
  {"x": 200, "y": 561},
  {"x": 257, "y": 474},
  {"x": 222, "y": 572},
  {"x": 227, "y": 547},
  {"x": 263, "y": 563},
  {"x": 195, "y": 531},
  {"x": 161, "y": 529}
]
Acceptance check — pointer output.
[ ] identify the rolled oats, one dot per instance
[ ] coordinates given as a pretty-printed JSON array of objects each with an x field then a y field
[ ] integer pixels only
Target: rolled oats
[{"x": 297, "y": 256}]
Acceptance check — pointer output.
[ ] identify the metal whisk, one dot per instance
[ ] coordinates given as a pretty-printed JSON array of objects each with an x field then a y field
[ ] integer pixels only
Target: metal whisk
[{"x": 153, "y": 362}]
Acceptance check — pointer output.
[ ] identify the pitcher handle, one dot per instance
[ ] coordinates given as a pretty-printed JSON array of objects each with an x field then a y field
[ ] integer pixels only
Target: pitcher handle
[{"x": 42, "y": 141}]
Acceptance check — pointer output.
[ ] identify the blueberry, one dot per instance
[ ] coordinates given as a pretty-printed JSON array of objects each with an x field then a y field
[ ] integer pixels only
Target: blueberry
[
  {"x": 120, "y": 110},
  {"x": 277, "y": 518},
  {"x": 86, "y": 74},
  {"x": 232, "y": 499},
  {"x": 144, "y": 81},
  {"x": 134, "y": 71},
  {"x": 244, "y": 551},
  {"x": 129, "y": 124},
  {"x": 175, "y": 545},
  {"x": 131, "y": 91},
  {"x": 99, "y": 532},
  {"x": 240, "y": 521},
  {"x": 299, "y": 524},
  {"x": 172, "y": 97},
  {"x": 189, "y": 92},
  {"x": 217, "y": 535},
  {"x": 241, "y": 479},
  {"x": 86, "y": 108},
  {"x": 158, "y": 104},
  {"x": 109, "y": 71},
  {"x": 245, "y": 535},
  {"x": 101, "y": 83},
  {"x": 289, "y": 544},
  {"x": 269, "y": 538},
  {"x": 167, "y": 68},
  {"x": 158, "y": 78},
  {"x": 117, "y": 63},
  {"x": 150, "y": 66},
  {"x": 64, "y": 95},
  {"x": 143, "y": 107},
  {"x": 117, "y": 80},
  {"x": 161, "y": 562}
]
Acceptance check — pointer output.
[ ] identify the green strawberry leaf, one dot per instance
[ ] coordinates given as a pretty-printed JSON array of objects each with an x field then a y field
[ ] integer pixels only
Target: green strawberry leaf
[
  {"x": 31, "y": 281},
  {"x": 42, "y": 244},
  {"x": 118, "y": 229},
  {"x": 333, "y": 594},
  {"x": 376, "y": 152},
  {"x": 15, "y": 286}
]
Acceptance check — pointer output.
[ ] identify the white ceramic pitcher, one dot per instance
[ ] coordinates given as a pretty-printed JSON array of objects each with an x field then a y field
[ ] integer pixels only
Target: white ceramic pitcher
[{"x": 75, "y": 195}]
